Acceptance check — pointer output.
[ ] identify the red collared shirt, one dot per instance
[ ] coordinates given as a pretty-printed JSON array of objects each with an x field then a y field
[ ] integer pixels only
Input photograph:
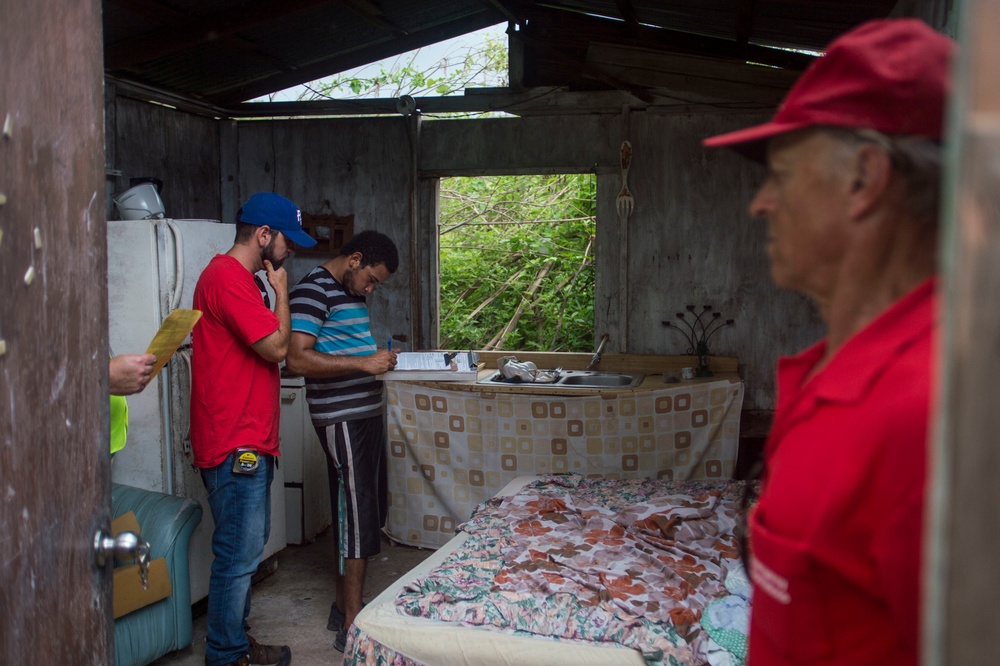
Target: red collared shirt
[{"x": 837, "y": 533}]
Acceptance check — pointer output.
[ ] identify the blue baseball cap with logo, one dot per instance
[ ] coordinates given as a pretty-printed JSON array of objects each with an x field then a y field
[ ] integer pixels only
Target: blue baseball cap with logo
[{"x": 275, "y": 211}]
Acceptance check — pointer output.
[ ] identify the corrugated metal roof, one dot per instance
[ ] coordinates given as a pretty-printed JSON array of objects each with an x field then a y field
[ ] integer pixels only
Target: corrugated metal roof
[{"x": 222, "y": 52}]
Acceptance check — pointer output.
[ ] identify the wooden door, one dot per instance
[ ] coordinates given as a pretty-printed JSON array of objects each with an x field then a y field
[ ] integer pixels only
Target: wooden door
[
  {"x": 54, "y": 470},
  {"x": 963, "y": 572}
]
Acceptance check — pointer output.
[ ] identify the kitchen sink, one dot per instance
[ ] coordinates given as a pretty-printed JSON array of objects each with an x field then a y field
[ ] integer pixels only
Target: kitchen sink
[
  {"x": 602, "y": 379},
  {"x": 583, "y": 379}
]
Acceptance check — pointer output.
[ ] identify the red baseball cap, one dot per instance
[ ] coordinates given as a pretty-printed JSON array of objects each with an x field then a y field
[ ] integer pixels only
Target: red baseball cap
[{"x": 891, "y": 75}]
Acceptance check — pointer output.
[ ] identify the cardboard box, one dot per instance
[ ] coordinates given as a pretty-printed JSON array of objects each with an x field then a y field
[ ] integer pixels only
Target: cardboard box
[{"x": 127, "y": 592}]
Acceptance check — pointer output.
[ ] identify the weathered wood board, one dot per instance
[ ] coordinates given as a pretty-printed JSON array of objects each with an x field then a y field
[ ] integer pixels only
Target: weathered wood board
[{"x": 689, "y": 241}]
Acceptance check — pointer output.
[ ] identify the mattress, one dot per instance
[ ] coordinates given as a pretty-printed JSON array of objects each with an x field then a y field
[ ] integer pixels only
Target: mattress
[{"x": 382, "y": 634}]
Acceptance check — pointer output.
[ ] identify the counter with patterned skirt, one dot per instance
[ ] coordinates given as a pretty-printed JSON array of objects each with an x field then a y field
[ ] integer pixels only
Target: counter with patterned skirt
[{"x": 449, "y": 450}]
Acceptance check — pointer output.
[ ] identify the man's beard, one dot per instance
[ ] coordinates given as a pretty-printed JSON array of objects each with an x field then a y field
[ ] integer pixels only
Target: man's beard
[
  {"x": 350, "y": 282},
  {"x": 268, "y": 254}
]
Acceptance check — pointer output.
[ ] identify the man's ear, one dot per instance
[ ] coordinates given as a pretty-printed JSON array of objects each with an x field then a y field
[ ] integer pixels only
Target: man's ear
[
  {"x": 355, "y": 259},
  {"x": 871, "y": 175},
  {"x": 263, "y": 235}
]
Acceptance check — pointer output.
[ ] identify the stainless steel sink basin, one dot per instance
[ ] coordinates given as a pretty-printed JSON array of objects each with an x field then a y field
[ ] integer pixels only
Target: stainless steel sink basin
[
  {"x": 583, "y": 379},
  {"x": 601, "y": 379}
]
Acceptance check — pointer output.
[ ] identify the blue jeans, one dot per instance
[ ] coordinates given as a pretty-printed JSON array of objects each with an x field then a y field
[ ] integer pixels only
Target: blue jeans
[{"x": 241, "y": 508}]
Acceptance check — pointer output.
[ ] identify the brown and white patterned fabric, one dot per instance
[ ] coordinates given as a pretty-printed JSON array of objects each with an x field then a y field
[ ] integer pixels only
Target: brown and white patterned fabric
[{"x": 450, "y": 450}]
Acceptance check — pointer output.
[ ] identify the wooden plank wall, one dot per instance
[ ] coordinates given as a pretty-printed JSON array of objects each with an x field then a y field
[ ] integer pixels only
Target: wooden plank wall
[
  {"x": 692, "y": 241},
  {"x": 496, "y": 146},
  {"x": 342, "y": 167},
  {"x": 689, "y": 240},
  {"x": 179, "y": 148}
]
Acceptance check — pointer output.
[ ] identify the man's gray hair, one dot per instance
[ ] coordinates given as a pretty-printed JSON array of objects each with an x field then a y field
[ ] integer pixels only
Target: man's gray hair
[{"x": 916, "y": 159}]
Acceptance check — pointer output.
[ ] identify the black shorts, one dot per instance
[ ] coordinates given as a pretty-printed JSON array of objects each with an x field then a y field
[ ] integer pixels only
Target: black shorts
[{"x": 357, "y": 461}]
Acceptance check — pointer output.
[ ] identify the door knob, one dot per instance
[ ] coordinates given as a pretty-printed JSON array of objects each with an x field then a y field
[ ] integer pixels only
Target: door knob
[{"x": 126, "y": 546}]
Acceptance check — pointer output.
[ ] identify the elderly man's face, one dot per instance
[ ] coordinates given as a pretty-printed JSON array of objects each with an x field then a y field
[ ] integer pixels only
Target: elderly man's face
[{"x": 804, "y": 200}]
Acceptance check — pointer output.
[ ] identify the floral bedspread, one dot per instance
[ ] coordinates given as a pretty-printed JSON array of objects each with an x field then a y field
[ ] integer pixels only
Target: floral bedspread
[{"x": 627, "y": 562}]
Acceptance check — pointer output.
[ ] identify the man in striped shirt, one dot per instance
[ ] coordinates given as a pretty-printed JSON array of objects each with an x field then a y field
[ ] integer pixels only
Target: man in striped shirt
[{"x": 332, "y": 347}]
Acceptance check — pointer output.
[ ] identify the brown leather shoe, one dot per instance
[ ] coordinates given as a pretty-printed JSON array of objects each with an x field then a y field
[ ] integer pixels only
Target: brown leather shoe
[{"x": 266, "y": 655}]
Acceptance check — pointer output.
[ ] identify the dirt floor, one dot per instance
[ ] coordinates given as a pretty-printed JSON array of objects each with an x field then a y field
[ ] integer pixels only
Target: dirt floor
[{"x": 290, "y": 606}]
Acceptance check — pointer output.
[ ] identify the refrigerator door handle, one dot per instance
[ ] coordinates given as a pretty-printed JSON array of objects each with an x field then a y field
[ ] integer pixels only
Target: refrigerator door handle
[{"x": 175, "y": 299}]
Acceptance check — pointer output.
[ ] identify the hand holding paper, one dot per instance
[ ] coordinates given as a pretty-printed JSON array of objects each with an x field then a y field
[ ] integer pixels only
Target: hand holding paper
[
  {"x": 130, "y": 373},
  {"x": 172, "y": 332}
]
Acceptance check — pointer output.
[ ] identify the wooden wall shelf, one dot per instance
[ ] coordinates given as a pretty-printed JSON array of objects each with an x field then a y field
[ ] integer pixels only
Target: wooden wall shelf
[{"x": 330, "y": 232}]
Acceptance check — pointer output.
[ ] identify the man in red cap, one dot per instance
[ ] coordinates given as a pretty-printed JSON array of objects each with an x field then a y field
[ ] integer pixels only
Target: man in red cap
[{"x": 851, "y": 204}]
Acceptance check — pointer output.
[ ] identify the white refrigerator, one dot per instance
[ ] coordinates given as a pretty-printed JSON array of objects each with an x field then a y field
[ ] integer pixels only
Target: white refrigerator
[{"x": 153, "y": 267}]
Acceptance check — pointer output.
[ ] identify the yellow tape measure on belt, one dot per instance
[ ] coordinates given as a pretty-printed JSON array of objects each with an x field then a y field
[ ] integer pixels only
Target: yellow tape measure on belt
[{"x": 246, "y": 461}]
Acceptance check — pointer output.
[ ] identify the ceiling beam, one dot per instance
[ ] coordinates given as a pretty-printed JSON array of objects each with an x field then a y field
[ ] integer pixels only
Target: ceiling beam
[
  {"x": 549, "y": 33},
  {"x": 185, "y": 32},
  {"x": 744, "y": 22},
  {"x": 531, "y": 102},
  {"x": 372, "y": 14},
  {"x": 587, "y": 70},
  {"x": 502, "y": 7},
  {"x": 628, "y": 13},
  {"x": 725, "y": 79},
  {"x": 132, "y": 90},
  {"x": 483, "y": 103},
  {"x": 151, "y": 10},
  {"x": 385, "y": 48}
]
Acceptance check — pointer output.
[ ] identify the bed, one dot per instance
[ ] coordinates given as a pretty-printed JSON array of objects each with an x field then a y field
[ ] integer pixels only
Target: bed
[{"x": 563, "y": 569}]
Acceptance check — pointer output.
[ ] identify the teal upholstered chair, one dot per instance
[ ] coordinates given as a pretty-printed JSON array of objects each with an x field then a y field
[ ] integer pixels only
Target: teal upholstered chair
[{"x": 166, "y": 523}]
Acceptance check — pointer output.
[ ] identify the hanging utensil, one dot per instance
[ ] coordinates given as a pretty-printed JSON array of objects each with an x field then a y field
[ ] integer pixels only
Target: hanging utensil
[{"x": 625, "y": 203}]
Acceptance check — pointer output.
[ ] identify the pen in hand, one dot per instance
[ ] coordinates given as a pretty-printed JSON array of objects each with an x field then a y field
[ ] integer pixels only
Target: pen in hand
[{"x": 388, "y": 344}]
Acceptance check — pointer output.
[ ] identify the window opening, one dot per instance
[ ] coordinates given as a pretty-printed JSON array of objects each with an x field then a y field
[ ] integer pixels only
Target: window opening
[{"x": 516, "y": 264}]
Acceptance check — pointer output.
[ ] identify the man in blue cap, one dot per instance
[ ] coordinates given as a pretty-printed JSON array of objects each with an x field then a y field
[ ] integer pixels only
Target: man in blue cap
[{"x": 236, "y": 348}]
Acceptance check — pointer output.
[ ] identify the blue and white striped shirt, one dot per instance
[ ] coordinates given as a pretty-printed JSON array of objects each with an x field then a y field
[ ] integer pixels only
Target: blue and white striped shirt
[{"x": 339, "y": 321}]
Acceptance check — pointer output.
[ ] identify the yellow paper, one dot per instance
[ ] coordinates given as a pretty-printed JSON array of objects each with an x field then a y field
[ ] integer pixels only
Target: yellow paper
[{"x": 172, "y": 332}]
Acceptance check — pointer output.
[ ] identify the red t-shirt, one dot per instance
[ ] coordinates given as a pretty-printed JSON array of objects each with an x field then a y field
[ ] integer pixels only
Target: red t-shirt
[
  {"x": 234, "y": 390},
  {"x": 837, "y": 534}
]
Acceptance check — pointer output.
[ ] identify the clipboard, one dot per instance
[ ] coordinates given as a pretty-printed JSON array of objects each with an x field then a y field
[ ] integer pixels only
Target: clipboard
[
  {"x": 434, "y": 366},
  {"x": 174, "y": 329}
]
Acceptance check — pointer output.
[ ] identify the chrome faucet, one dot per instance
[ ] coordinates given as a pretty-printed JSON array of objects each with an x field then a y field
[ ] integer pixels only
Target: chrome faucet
[{"x": 596, "y": 358}]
